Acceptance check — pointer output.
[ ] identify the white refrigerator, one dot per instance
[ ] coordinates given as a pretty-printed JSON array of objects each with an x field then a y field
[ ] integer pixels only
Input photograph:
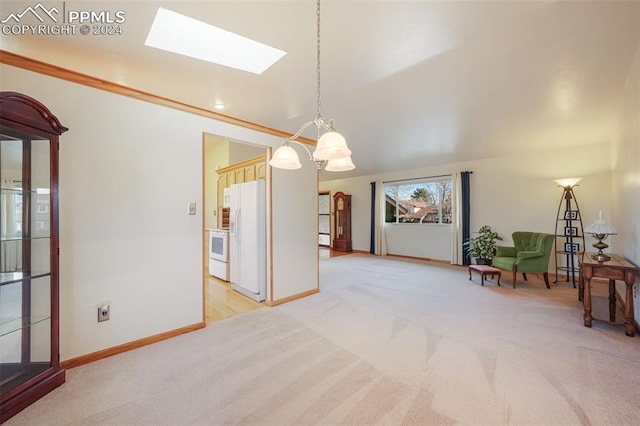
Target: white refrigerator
[{"x": 247, "y": 235}]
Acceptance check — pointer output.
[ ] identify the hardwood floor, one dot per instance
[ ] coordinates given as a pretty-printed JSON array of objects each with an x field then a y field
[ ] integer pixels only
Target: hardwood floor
[
  {"x": 224, "y": 302},
  {"x": 326, "y": 252}
]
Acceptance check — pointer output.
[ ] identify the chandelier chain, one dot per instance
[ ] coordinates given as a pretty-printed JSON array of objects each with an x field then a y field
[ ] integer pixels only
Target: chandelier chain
[
  {"x": 332, "y": 147},
  {"x": 318, "y": 57}
]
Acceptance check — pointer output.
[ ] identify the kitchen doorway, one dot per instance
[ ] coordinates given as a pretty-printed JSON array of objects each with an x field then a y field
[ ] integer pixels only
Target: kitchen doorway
[{"x": 218, "y": 153}]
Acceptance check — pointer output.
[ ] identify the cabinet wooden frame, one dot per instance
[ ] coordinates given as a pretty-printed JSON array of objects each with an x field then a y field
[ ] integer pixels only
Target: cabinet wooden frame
[{"x": 25, "y": 120}]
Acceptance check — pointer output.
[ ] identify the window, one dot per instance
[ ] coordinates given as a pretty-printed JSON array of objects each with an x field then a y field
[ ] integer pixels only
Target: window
[
  {"x": 426, "y": 201},
  {"x": 324, "y": 211}
]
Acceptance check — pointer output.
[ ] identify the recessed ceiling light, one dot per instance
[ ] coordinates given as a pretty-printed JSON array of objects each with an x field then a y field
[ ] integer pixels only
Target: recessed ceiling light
[
  {"x": 219, "y": 105},
  {"x": 181, "y": 34}
]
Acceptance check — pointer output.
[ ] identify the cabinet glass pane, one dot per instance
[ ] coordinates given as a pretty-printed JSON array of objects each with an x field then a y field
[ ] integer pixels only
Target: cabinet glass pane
[
  {"x": 40, "y": 255},
  {"x": 25, "y": 317},
  {"x": 41, "y": 214},
  {"x": 11, "y": 162},
  {"x": 15, "y": 370},
  {"x": 25, "y": 261},
  {"x": 14, "y": 315},
  {"x": 10, "y": 258},
  {"x": 40, "y": 175},
  {"x": 10, "y": 203}
]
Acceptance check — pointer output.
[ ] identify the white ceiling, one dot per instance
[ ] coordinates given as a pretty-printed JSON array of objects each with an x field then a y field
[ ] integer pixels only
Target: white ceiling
[{"x": 409, "y": 83}]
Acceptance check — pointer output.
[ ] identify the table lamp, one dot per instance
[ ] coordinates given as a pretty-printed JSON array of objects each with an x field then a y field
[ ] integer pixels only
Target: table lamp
[{"x": 600, "y": 230}]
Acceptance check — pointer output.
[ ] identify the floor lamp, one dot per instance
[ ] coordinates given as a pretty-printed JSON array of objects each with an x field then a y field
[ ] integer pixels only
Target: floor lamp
[{"x": 568, "y": 230}]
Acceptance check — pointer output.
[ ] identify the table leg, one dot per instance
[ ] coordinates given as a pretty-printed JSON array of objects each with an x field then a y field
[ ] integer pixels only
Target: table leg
[
  {"x": 588, "y": 318},
  {"x": 628, "y": 310},
  {"x": 580, "y": 287},
  {"x": 612, "y": 300}
]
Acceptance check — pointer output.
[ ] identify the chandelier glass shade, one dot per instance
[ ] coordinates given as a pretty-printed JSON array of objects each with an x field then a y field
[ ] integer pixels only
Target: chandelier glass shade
[
  {"x": 340, "y": 164},
  {"x": 286, "y": 158},
  {"x": 331, "y": 145}
]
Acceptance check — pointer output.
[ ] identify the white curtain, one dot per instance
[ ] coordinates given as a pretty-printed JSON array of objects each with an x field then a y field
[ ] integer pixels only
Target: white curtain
[
  {"x": 10, "y": 252},
  {"x": 380, "y": 248},
  {"x": 457, "y": 253}
]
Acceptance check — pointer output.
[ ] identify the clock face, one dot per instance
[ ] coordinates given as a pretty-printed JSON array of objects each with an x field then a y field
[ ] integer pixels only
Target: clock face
[{"x": 340, "y": 204}]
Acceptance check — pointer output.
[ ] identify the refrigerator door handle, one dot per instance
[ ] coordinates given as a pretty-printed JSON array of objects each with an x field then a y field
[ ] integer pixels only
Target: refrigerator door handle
[{"x": 237, "y": 229}]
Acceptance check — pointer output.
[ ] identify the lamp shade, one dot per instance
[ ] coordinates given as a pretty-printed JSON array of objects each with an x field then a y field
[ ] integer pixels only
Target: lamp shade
[
  {"x": 568, "y": 182},
  {"x": 331, "y": 146},
  {"x": 600, "y": 226},
  {"x": 340, "y": 164},
  {"x": 286, "y": 158}
]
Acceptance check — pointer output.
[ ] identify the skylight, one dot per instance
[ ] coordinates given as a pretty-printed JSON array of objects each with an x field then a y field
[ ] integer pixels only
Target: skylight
[{"x": 183, "y": 35}]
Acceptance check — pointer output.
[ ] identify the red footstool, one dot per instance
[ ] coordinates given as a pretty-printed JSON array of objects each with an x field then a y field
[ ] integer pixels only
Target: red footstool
[{"x": 485, "y": 270}]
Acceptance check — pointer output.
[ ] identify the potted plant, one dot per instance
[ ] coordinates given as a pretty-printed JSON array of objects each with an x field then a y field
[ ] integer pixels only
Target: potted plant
[{"x": 483, "y": 247}]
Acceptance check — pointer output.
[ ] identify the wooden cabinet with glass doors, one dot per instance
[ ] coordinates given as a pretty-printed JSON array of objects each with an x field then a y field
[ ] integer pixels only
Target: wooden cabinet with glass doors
[{"x": 29, "y": 322}]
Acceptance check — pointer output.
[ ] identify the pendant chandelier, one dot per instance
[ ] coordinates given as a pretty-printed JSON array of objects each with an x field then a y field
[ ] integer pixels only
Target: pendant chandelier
[{"x": 331, "y": 150}]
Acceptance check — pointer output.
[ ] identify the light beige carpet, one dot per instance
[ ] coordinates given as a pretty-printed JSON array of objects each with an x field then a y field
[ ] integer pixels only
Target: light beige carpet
[{"x": 386, "y": 341}]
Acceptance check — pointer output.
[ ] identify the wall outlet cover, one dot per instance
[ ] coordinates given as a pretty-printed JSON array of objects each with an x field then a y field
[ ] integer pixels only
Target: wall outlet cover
[{"x": 103, "y": 312}]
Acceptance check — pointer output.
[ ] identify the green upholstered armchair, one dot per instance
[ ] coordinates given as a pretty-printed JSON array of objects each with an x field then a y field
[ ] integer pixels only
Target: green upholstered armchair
[{"x": 530, "y": 254}]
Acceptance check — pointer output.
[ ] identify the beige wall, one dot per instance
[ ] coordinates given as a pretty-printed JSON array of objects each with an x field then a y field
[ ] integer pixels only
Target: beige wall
[
  {"x": 216, "y": 155},
  {"x": 626, "y": 176},
  {"x": 509, "y": 193}
]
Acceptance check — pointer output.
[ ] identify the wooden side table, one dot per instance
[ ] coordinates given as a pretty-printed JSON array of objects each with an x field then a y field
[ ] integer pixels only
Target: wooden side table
[{"x": 615, "y": 269}]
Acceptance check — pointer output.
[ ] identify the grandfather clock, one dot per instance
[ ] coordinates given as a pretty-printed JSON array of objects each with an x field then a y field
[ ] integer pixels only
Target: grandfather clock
[{"x": 342, "y": 222}]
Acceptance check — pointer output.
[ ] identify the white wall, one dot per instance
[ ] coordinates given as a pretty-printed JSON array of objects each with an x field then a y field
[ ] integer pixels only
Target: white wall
[
  {"x": 626, "y": 177},
  {"x": 128, "y": 169},
  {"x": 239, "y": 152},
  {"x": 509, "y": 193},
  {"x": 295, "y": 232}
]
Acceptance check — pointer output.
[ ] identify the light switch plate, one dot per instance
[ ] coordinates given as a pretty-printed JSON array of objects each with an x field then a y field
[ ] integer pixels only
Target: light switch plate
[{"x": 191, "y": 208}]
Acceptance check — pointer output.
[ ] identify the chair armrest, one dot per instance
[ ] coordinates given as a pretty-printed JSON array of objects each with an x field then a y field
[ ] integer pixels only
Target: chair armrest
[
  {"x": 503, "y": 251},
  {"x": 529, "y": 254}
]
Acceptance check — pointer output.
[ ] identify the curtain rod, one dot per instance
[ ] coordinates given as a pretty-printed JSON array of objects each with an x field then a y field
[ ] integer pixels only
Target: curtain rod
[{"x": 418, "y": 178}]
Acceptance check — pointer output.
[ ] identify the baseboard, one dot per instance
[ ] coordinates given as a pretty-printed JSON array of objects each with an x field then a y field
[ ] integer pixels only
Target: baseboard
[
  {"x": 428, "y": 259},
  {"x": 293, "y": 297},
  {"x": 95, "y": 356}
]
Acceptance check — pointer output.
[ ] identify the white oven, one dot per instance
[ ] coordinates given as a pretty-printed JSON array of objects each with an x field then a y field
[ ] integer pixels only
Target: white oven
[{"x": 219, "y": 253}]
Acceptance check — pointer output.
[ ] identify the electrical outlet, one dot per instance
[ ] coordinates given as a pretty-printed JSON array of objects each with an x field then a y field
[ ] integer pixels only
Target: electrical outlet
[
  {"x": 103, "y": 312},
  {"x": 191, "y": 208}
]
